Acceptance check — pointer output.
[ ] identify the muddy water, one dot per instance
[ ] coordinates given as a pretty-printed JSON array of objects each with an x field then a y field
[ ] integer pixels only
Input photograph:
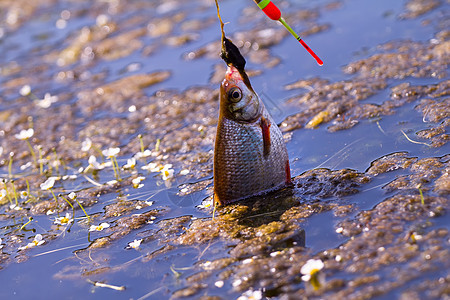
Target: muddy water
[{"x": 366, "y": 135}]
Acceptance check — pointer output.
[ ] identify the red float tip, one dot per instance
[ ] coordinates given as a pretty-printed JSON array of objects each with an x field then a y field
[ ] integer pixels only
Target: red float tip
[{"x": 318, "y": 60}]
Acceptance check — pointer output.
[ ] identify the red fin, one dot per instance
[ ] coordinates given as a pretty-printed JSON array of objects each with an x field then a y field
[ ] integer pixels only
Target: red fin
[
  {"x": 265, "y": 127},
  {"x": 288, "y": 173},
  {"x": 216, "y": 200}
]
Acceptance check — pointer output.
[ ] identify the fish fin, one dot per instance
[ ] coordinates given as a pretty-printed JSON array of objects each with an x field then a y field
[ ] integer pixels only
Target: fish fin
[
  {"x": 288, "y": 173},
  {"x": 216, "y": 200},
  {"x": 265, "y": 127}
]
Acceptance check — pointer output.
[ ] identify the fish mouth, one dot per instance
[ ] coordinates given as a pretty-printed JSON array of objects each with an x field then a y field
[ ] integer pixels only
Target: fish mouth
[{"x": 233, "y": 76}]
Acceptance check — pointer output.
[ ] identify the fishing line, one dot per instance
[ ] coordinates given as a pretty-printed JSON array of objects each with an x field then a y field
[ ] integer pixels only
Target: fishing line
[{"x": 221, "y": 25}]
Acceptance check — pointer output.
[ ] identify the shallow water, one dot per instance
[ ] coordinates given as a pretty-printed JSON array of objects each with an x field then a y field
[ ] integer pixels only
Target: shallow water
[{"x": 63, "y": 265}]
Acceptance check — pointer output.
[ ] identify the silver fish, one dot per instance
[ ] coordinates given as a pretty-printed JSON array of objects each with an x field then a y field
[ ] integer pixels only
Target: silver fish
[{"x": 250, "y": 156}]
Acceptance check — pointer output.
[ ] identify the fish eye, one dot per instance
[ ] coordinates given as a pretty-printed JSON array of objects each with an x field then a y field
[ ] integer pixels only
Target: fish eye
[{"x": 235, "y": 94}]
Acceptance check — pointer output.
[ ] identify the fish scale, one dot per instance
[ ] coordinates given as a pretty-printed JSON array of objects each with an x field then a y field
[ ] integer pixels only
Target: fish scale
[{"x": 241, "y": 169}]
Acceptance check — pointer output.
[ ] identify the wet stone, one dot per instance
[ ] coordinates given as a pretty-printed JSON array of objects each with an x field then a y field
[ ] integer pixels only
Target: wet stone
[
  {"x": 437, "y": 135},
  {"x": 97, "y": 271},
  {"x": 3, "y": 259},
  {"x": 378, "y": 239},
  {"x": 424, "y": 172},
  {"x": 197, "y": 24},
  {"x": 323, "y": 183},
  {"x": 136, "y": 221},
  {"x": 434, "y": 110},
  {"x": 181, "y": 40},
  {"x": 100, "y": 243},
  {"x": 189, "y": 291},
  {"x": 262, "y": 236},
  {"x": 122, "y": 207},
  {"x": 415, "y": 8},
  {"x": 399, "y": 64},
  {"x": 340, "y": 103},
  {"x": 114, "y": 94},
  {"x": 399, "y": 160},
  {"x": 169, "y": 229},
  {"x": 121, "y": 45},
  {"x": 337, "y": 102}
]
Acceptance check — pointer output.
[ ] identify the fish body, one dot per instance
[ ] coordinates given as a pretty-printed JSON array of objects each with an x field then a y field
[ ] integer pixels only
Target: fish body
[{"x": 250, "y": 156}]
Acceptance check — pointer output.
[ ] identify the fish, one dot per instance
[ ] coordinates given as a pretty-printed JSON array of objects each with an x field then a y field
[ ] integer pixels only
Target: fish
[{"x": 250, "y": 155}]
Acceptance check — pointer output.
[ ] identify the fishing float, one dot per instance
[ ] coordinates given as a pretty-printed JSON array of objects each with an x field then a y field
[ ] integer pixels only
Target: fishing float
[{"x": 274, "y": 13}]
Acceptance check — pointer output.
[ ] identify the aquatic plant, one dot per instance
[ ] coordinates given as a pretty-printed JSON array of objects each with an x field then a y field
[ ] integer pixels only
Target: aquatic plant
[
  {"x": 11, "y": 155},
  {"x": 47, "y": 101},
  {"x": 73, "y": 196},
  {"x": 56, "y": 162},
  {"x": 146, "y": 152},
  {"x": 167, "y": 172},
  {"x": 131, "y": 163},
  {"x": 26, "y": 195},
  {"x": 94, "y": 165},
  {"x": 184, "y": 172},
  {"x": 37, "y": 241},
  {"x": 135, "y": 244},
  {"x": 206, "y": 203},
  {"x": 143, "y": 153},
  {"x": 422, "y": 199},
  {"x": 24, "y": 225},
  {"x": 48, "y": 185},
  {"x": 23, "y": 195},
  {"x": 25, "y": 135},
  {"x": 310, "y": 271},
  {"x": 86, "y": 145},
  {"x": 412, "y": 141},
  {"x": 16, "y": 205},
  {"x": 251, "y": 295},
  {"x": 157, "y": 145},
  {"x": 415, "y": 237},
  {"x": 137, "y": 182},
  {"x": 25, "y": 90},
  {"x": 63, "y": 220},
  {"x": 111, "y": 154},
  {"x": 99, "y": 227},
  {"x": 68, "y": 202},
  {"x": 5, "y": 193},
  {"x": 141, "y": 142},
  {"x": 152, "y": 167},
  {"x": 105, "y": 285},
  {"x": 41, "y": 160}
]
